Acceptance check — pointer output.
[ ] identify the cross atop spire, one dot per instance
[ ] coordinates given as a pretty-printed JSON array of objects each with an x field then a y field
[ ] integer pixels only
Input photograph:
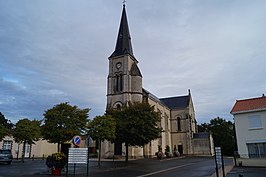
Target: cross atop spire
[
  {"x": 123, "y": 42},
  {"x": 124, "y": 2}
]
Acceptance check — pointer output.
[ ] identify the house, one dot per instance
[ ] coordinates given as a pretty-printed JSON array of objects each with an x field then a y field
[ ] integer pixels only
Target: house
[
  {"x": 250, "y": 124},
  {"x": 40, "y": 149},
  {"x": 124, "y": 80}
]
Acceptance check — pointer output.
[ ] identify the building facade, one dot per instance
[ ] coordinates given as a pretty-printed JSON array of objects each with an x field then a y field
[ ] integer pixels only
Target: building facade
[
  {"x": 40, "y": 149},
  {"x": 125, "y": 85},
  {"x": 250, "y": 124}
]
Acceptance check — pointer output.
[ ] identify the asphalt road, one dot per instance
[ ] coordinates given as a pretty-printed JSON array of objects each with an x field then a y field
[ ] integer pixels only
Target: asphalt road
[{"x": 181, "y": 167}]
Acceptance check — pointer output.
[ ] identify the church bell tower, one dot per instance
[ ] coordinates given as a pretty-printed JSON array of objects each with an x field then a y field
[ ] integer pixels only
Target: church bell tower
[{"x": 124, "y": 82}]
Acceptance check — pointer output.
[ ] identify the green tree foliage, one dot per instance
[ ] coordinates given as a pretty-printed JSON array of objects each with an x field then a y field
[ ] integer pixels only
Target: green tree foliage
[
  {"x": 223, "y": 134},
  {"x": 136, "y": 125},
  {"x": 5, "y": 126},
  {"x": 203, "y": 127},
  {"x": 62, "y": 122},
  {"x": 2, "y": 132},
  {"x": 102, "y": 128},
  {"x": 27, "y": 131}
]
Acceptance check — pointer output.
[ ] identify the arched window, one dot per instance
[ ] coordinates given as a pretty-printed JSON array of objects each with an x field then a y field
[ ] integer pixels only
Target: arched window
[
  {"x": 178, "y": 122},
  {"x": 119, "y": 82},
  {"x": 117, "y": 105}
]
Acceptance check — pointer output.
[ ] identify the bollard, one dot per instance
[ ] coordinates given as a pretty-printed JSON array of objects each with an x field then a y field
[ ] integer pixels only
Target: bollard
[
  {"x": 239, "y": 175},
  {"x": 43, "y": 157},
  {"x": 33, "y": 157}
]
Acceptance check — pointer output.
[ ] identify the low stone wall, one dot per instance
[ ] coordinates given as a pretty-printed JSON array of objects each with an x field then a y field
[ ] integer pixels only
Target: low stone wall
[{"x": 250, "y": 162}]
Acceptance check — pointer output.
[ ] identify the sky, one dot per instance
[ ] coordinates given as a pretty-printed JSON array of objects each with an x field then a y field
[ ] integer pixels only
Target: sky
[{"x": 56, "y": 51}]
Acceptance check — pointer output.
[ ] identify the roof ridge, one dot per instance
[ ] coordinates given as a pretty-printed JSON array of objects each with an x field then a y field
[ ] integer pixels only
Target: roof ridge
[
  {"x": 251, "y": 104},
  {"x": 255, "y": 98},
  {"x": 174, "y": 97}
]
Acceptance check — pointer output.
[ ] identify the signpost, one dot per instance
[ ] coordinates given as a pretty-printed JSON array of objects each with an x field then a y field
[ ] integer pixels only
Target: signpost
[
  {"x": 77, "y": 156},
  {"x": 219, "y": 160},
  {"x": 88, "y": 143}
]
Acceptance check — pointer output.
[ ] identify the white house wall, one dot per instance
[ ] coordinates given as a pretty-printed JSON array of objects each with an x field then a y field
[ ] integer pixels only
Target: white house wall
[{"x": 246, "y": 135}]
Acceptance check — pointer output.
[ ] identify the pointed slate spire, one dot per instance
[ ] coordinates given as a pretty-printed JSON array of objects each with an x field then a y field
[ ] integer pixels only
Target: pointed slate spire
[{"x": 123, "y": 43}]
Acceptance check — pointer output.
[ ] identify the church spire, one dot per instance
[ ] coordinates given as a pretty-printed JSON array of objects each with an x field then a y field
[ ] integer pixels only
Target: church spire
[{"x": 123, "y": 42}]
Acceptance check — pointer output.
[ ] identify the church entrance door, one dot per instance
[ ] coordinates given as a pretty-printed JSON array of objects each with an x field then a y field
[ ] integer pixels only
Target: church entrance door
[{"x": 180, "y": 149}]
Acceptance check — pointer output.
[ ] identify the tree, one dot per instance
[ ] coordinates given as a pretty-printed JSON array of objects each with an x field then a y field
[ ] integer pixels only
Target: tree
[
  {"x": 102, "y": 128},
  {"x": 62, "y": 122},
  {"x": 27, "y": 131},
  {"x": 223, "y": 133},
  {"x": 136, "y": 124},
  {"x": 204, "y": 127},
  {"x": 5, "y": 126}
]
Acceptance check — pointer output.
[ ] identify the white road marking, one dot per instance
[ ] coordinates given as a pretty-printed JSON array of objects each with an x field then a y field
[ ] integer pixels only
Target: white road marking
[{"x": 168, "y": 169}]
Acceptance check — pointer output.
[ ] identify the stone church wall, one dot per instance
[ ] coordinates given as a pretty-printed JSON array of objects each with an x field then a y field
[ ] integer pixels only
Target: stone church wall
[{"x": 201, "y": 146}]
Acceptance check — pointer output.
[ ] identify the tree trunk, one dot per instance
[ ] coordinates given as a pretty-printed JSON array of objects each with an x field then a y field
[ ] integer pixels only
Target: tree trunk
[
  {"x": 99, "y": 155},
  {"x": 126, "y": 152},
  {"x": 23, "y": 151},
  {"x": 58, "y": 147}
]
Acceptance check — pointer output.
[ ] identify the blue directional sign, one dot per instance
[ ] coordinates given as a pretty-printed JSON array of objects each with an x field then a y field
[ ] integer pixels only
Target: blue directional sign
[{"x": 76, "y": 140}]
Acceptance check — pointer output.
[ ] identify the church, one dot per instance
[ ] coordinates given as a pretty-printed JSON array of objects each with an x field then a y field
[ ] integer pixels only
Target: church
[{"x": 124, "y": 85}]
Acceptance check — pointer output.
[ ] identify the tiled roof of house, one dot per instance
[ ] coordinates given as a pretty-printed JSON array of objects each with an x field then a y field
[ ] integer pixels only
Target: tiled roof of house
[{"x": 251, "y": 104}]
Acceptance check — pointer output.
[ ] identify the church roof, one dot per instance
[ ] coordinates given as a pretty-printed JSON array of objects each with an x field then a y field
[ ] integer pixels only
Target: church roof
[
  {"x": 123, "y": 43},
  {"x": 201, "y": 135},
  {"x": 176, "y": 102},
  {"x": 247, "y": 105},
  {"x": 135, "y": 70}
]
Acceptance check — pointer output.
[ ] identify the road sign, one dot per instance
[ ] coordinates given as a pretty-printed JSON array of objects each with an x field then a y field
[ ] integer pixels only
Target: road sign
[
  {"x": 76, "y": 140},
  {"x": 88, "y": 141},
  {"x": 78, "y": 155}
]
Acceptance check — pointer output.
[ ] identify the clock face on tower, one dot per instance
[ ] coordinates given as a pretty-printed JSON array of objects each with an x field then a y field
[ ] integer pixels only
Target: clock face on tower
[{"x": 118, "y": 65}]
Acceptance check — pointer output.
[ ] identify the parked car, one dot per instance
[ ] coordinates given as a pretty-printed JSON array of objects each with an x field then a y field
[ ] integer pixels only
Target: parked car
[{"x": 6, "y": 156}]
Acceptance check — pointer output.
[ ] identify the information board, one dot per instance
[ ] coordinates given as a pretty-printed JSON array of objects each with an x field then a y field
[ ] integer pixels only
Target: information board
[
  {"x": 78, "y": 155},
  {"x": 218, "y": 155}
]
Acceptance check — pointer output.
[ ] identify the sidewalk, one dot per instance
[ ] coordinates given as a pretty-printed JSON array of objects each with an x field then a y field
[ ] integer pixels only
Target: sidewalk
[{"x": 247, "y": 172}]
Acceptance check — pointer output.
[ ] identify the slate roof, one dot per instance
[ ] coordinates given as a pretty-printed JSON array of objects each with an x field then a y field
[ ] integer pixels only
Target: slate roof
[
  {"x": 123, "y": 43},
  {"x": 201, "y": 135},
  {"x": 135, "y": 70},
  {"x": 152, "y": 96},
  {"x": 176, "y": 102},
  {"x": 247, "y": 105}
]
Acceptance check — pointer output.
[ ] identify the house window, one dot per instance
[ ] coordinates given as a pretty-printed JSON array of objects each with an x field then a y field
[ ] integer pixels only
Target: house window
[
  {"x": 254, "y": 122},
  {"x": 257, "y": 150},
  {"x": 7, "y": 144},
  {"x": 178, "y": 121}
]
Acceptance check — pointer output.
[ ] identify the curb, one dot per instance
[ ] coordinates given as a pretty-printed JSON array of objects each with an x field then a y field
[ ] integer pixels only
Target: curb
[{"x": 227, "y": 169}]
